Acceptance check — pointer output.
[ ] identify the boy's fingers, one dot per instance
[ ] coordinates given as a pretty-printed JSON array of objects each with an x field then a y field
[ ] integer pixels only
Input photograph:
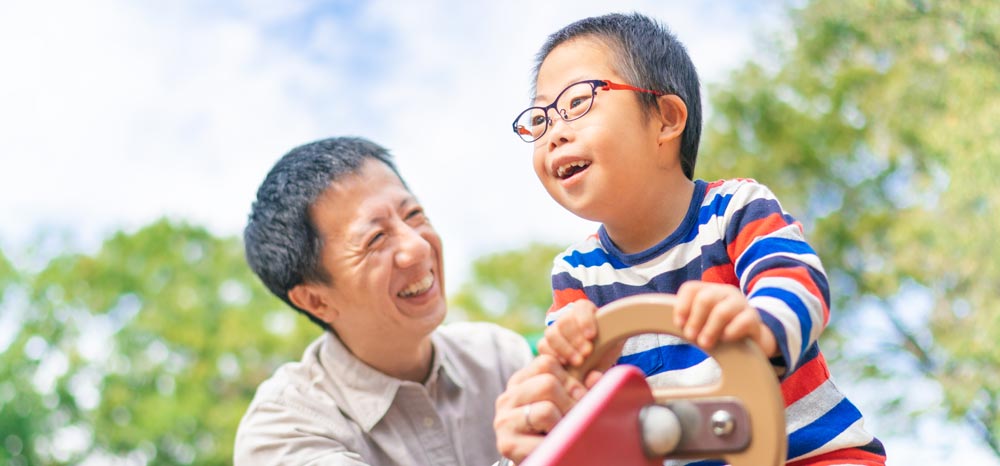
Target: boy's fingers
[
  {"x": 556, "y": 341},
  {"x": 682, "y": 306},
  {"x": 701, "y": 306},
  {"x": 744, "y": 324},
  {"x": 721, "y": 318},
  {"x": 585, "y": 313}
]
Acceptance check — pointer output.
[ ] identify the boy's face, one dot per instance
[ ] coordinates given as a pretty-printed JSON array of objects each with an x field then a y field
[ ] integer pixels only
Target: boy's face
[{"x": 596, "y": 166}]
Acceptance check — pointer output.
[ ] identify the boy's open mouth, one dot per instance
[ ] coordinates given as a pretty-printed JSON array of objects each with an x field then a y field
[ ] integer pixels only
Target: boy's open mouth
[{"x": 570, "y": 169}]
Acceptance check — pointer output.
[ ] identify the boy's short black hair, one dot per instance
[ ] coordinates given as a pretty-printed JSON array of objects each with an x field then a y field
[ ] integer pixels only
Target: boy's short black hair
[
  {"x": 281, "y": 242},
  {"x": 647, "y": 55}
]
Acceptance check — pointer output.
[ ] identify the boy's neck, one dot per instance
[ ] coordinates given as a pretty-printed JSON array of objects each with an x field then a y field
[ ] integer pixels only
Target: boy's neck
[{"x": 647, "y": 222}]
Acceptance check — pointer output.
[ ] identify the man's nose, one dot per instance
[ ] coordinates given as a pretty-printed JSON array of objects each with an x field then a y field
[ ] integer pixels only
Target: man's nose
[{"x": 413, "y": 247}]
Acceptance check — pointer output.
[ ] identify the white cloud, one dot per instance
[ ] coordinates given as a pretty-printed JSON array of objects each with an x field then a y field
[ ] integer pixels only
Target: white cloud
[{"x": 116, "y": 114}]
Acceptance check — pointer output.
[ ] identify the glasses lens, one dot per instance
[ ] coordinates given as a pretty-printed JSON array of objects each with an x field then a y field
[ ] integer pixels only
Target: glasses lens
[
  {"x": 531, "y": 124},
  {"x": 575, "y": 101}
]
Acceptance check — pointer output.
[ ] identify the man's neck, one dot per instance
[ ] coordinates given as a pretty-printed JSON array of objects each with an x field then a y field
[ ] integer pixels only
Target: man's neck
[{"x": 404, "y": 360}]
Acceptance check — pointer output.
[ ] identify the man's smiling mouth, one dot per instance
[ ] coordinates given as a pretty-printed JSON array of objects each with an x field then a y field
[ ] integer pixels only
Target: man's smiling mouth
[{"x": 418, "y": 287}]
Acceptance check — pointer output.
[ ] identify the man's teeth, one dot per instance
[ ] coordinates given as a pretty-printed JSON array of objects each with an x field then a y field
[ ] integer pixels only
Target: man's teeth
[
  {"x": 570, "y": 168},
  {"x": 419, "y": 287}
]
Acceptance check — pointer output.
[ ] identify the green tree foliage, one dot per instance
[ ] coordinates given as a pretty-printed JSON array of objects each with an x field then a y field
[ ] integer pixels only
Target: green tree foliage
[
  {"x": 511, "y": 288},
  {"x": 150, "y": 349},
  {"x": 876, "y": 123}
]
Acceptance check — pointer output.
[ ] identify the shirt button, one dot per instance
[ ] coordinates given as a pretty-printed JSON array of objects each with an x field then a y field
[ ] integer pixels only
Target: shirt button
[{"x": 428, "y": 421}]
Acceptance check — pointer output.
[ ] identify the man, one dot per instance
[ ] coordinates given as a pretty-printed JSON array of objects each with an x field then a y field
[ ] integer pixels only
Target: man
[{"x": 337, "y": 234}]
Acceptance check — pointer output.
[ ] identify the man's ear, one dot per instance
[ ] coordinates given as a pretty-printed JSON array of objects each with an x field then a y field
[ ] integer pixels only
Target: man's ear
[
  {"x": 673, "y": 115},
  {"x": 310, "y": 297}
]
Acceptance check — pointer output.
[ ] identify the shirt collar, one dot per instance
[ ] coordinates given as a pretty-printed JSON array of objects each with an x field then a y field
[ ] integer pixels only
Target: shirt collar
[{"x": 365, "y": 394}]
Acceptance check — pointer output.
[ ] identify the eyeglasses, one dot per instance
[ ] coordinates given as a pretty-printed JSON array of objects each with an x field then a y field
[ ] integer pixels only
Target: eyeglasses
[{"x": 571, "y": 104}]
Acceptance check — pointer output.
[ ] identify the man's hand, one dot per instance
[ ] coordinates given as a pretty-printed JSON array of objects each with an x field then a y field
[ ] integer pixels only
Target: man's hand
[{"x": 537, "y": 397}]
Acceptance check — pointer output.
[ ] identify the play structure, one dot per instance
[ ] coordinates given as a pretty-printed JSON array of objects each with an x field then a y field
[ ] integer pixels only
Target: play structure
[{"x": 622, "y": 421}]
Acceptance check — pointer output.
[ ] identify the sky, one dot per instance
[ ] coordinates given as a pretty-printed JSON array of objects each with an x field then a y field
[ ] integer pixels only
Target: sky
[{"x": 114, "y": 114}]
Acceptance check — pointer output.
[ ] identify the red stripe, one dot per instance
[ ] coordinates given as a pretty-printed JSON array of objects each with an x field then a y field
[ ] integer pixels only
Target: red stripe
[
  {"x": 564, "y": 297},
  {"x": 713, "y": 185},
  {"x": 801, "y": 275},
  {"x": 721, "y": 274},
  {"x": 855, "y": 456},
  {"x": 806, "y": 379},
  {"x": 753, "y": 230}
]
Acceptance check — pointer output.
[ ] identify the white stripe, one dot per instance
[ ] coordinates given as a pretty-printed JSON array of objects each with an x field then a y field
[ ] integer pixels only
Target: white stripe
[
  {"x": 813, "y": 304},
  {"x": 811, "y": 407},
  {"x": 638, "y": 275},
  {"x": 854, "y": 436},
  {"x": 789, "y": 321},
  {"x": 811, "y": 260},
  {"x": 704, "y": 373}
]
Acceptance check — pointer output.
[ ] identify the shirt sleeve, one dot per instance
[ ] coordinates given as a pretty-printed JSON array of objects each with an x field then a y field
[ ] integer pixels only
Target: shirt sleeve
[
  {"x": 780, "y": 274},
  {"x": 565, "y": 289},
  {"x": 268, "y": 436}
]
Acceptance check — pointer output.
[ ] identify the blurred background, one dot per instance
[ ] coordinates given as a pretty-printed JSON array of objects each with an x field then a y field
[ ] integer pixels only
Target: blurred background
[{"x": 133, "y": 137}]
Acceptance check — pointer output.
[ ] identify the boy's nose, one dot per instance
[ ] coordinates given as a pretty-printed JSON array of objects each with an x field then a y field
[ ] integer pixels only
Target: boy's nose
[{"x": 559, "y": 131}]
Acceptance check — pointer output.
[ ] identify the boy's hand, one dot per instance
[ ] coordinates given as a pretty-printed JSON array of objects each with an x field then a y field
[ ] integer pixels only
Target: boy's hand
[
  {"x": 570, "y": 339},
  {"x": 709, "y": 312}
]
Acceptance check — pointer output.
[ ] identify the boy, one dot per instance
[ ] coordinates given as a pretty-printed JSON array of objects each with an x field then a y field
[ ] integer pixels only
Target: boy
[{"x": 615, "y": 132}]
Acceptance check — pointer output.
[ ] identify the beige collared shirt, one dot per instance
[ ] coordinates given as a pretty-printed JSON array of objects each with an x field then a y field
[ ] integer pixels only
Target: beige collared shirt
[{"x": 332, "y": 409}]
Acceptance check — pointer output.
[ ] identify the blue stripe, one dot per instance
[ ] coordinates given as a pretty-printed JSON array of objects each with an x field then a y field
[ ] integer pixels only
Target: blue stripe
[
  {"x": 795, "y": 303},
  {"x": 707, "y": 463},
  {"x": 784, "y": 262},
  {"x": 874, "y": 447},
  {"x": 822, "y": 430},
  {"x": 766, "y": 246},
  {"x": 752, "y": 211},
  {"x": 716, "y": 208},
  {"x": 667, "y": 282},
  {"x": 594, "y": 258},
  {"x": 715, "y": 254},
  {"x": 780, "y": 338},
  {"x": 665, "y": 358},
  {"x": 564, "y": 281}
]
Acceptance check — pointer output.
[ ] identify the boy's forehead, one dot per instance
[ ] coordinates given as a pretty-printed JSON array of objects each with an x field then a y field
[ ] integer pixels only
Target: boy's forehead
[{"x": 573, "y": 61}]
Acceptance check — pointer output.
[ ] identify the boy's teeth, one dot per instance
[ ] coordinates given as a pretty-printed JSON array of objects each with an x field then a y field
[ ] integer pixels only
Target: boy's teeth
[
  {"x": 563, "y": 171},
  {"x": 418, "y": 287}
]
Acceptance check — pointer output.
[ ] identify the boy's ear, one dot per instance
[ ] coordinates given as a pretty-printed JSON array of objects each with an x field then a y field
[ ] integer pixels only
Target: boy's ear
[
  {"x": 673, "y": 117},
  {"x": 311, "y": 298}
]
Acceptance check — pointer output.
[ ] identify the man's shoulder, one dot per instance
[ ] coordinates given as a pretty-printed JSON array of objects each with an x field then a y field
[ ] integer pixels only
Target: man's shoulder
[
  {"x": 482, "y": 341},
  {"x": 286, "y": 383},
  {"x": 471, "y": 335}
]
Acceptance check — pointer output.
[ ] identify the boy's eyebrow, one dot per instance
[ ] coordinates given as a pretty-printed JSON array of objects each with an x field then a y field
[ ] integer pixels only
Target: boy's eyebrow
[{"x": 568, "y": 83}]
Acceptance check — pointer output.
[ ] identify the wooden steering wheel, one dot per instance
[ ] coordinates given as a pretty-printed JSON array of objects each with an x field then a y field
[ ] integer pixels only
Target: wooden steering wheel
[{"x": 739, "y": 419}]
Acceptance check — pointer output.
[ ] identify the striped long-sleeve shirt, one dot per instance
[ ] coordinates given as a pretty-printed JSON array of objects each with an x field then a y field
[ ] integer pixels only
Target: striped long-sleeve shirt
[{"x": 734, "y": 232}]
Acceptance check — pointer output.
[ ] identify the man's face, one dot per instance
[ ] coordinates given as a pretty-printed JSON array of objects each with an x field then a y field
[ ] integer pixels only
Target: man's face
[{"x": 384, "y": 258}]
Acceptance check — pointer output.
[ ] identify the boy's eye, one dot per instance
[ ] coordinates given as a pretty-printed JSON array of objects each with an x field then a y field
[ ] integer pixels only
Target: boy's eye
[
  {"x": 538, "y": 120},
  {"x": 578, "y": 101}
]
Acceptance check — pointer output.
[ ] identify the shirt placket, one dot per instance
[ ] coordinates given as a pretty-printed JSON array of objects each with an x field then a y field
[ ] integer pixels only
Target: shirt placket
[{"x": 431, "y": 430}]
